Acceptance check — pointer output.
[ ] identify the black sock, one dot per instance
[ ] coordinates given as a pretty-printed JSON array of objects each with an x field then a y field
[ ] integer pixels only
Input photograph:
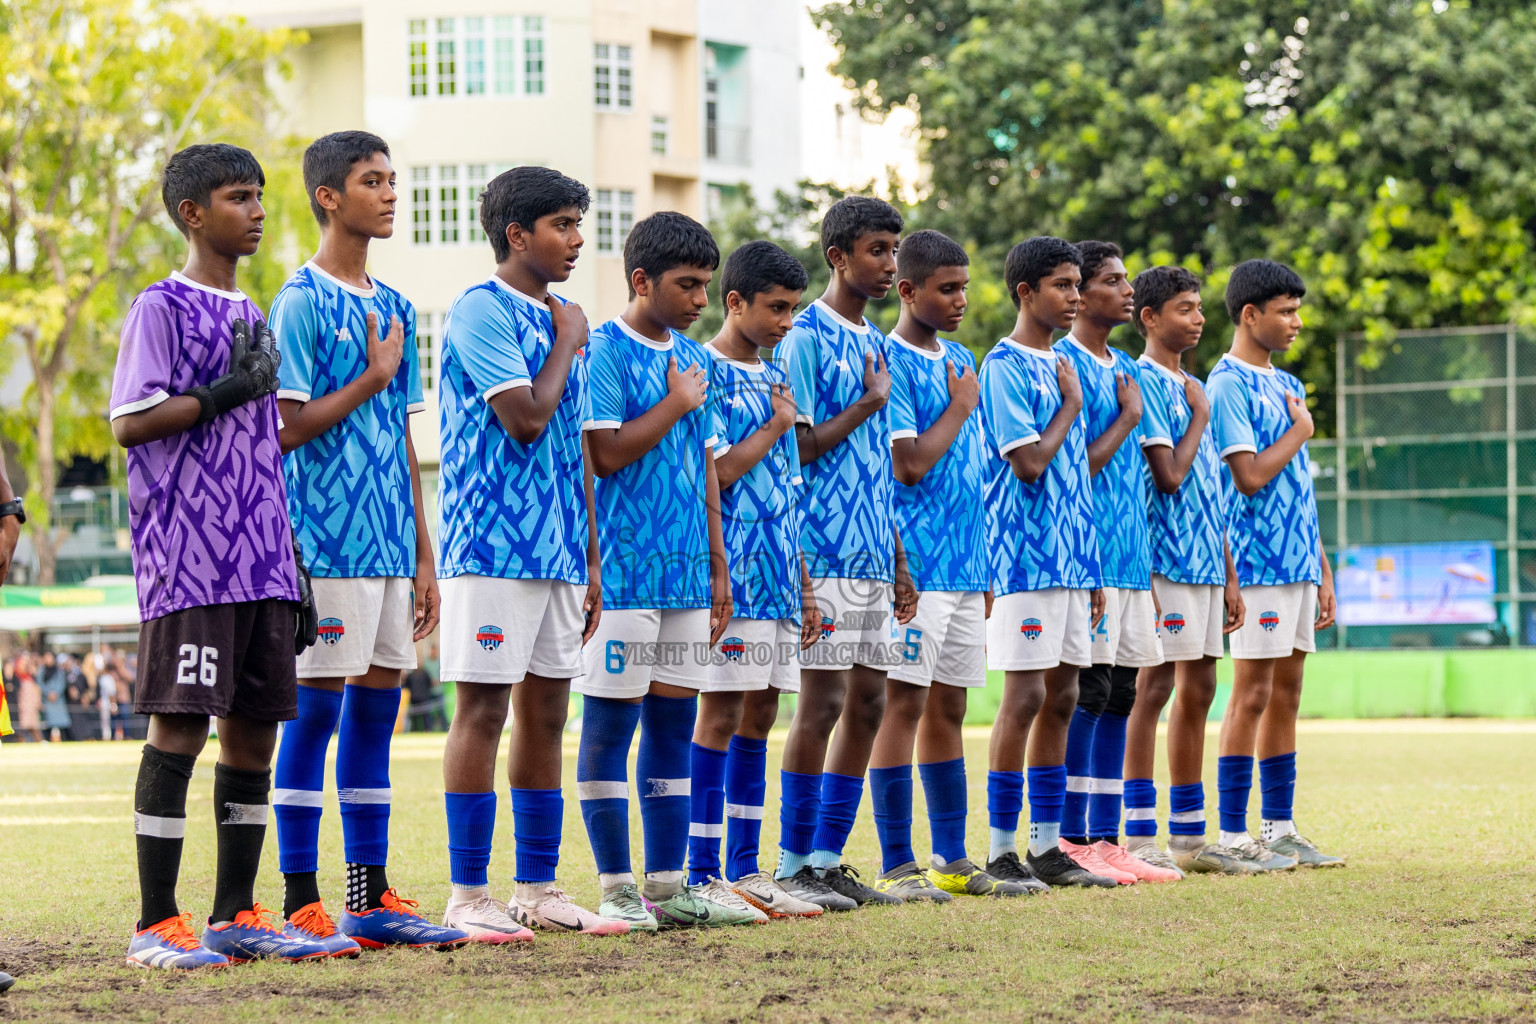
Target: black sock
[
  {"x": 1111, "y": 840},
  {"x": 159, "y": 824},
  {"x": 366, "y": 886},
  {"x": 1079, "y": 840},
  {"x": 240, "y": 813},
  {"x": 300, "y": 889}
]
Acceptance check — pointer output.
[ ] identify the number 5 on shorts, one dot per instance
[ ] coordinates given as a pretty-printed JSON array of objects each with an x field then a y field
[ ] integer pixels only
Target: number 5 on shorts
[{"x": 197, "y": 667}]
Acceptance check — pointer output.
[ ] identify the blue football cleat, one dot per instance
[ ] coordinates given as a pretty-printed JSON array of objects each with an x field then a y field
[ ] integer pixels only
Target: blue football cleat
[
  {"x": 398, "y": 923},
  {"x": 171, "y": 944},
  {"x": 313, "y": 923},
  {"x": 251, "y": 936}
]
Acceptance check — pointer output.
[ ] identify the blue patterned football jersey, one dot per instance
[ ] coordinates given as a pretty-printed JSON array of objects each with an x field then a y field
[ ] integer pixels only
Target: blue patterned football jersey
[
  {"x": 941, "y": 518},
  {"x": 1039, "y": 535},
  {"x": 504, "y": 508},
  {"x": 1274, "y": 534},
  {"x": 349, "y": 489},
  {"x": 1186, "y": 527},
  {"x": 652, "y": 515},
  {"x": 1119, "y": 491},
  {"x": 758, "y": 512},
  {"x": 848, "y": 531}
]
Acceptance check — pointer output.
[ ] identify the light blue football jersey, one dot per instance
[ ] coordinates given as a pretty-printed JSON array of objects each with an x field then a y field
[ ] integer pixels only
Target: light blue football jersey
[
  {"x": 1274, "y": 534},
  {"x": 349, "y": 489},
  {"x": 848, "y": 531},
  {"x": 1119, "y": 490},
  {"x": 1187, "y": 527},
  {"x": 758, "y": 513},
  {"x": 941, "y": 518},
  {"x": 652, "y": 520},
  {"x": 1039, "y": 535},
  {"x": 507, "y": 509}
]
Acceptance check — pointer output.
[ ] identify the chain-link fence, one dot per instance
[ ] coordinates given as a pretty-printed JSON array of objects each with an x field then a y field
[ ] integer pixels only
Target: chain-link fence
[{"x": 1437, "y": 446}]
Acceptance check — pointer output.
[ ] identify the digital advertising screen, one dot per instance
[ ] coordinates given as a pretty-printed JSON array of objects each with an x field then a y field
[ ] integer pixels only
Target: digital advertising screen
[{"x": 1416, "y": 584}]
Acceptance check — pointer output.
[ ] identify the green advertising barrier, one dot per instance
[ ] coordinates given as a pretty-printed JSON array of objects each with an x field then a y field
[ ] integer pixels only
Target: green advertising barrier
[{"x": 1378, "y": 684}]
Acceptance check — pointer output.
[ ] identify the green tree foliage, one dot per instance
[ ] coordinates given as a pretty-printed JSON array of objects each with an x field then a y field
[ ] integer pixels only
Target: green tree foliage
[
  {"x": 94, "y": 96},
  {"x": 1379, "y": 146}
]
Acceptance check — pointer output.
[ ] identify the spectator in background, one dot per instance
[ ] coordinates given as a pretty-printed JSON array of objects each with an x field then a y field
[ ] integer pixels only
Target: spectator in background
[
  {"x": 125, "y": 684},
  {"x": 106, "y": 700},
  {"x": 426, "y": 714},
  {"x": 55, "y": 705},
  {"x": 29, "y": 700}
]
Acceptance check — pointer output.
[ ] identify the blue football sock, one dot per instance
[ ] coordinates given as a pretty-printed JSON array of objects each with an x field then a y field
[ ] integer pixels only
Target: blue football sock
[
  {"x": 1140, "y": 807},
  {"x": 746, "y": 784},
  {"x": 944, "y": 791},
  {"x": 1080, "y": 739},
  {"x": 471, "y": 823},
  {"x": 840, "y": 796},
  {"x": 362, "y": 771},
  {"x": 1277, "y": 787},
  {"x": 800, "y": 806},
  {"x": 1234, "y": 778},
  {"x": 1186, "y": 810},
  {"x": 602, "y": 782},
  {"x": 1108, "y": 767},
  {"x": 1047, "y": 793},
  {"x": 1005, "y": 799},
  {"x": 298, "y": 779},
  {"x": 537, "y": 816},
  {"x": 890, "y": 793},
  {"x": 706, "y": 813},
  {"x": 661, "y": 773}
]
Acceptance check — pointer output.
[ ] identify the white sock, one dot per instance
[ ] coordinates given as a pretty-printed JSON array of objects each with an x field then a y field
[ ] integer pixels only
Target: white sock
[
  {"x": 1231, "y": 839},
  {"x": 1003, "y": 841},
  {"x": 1184, "y": 844},
  {"x": 661, "y": 885},
  {"x": 464, "y": 894},
  {"x": 1270, "y": 830},
  {"x": 1135, "y": 843},
  {"x": 615, "y": 880},
  {"x": 531, "y": 894},
  {"x": 1044, "y": 836}
]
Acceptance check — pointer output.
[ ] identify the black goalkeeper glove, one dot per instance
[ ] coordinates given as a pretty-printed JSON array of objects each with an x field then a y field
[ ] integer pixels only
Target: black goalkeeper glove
[
  {"x": 307, "y": 629},
  {"x": 252, "y": 373}
]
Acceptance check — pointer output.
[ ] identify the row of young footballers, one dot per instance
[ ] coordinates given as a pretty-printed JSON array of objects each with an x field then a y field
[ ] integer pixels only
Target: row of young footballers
[{"x": 681, "y": 533}]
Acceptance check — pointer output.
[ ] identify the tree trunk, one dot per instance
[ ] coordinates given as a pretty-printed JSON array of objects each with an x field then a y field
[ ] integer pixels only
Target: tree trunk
[{"x": 43, "y": 536}]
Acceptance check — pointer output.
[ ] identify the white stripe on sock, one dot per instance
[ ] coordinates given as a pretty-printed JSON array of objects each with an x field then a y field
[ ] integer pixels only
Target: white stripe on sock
[
  {"x": 1186, "y": 816},
  {"x": 744, "y": 811},
  {"x": 298, "y": 797},
  {"x": 602, "y": 790},
  {"x": 656, "y": 788},
  {"x": 364, "y": 796},
  {"x": 1079, "y": 784},
  {"x": 1106, "y": 787},
  {"x": 159, "y": 828},
  {"x": 1141, "y": 814},
  {"x": 244, "y": 814},
  {"x": 705, "y": 830}
]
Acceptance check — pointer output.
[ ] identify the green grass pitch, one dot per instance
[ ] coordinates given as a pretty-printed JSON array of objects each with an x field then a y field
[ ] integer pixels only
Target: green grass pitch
[{"x": 1433, "y": 920}]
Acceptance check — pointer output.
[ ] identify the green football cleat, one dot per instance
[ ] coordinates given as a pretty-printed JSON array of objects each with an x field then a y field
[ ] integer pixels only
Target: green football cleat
[
  {"x": 692, "y": 909},
  {"x": 910, "y": 883},
  {"x": 626, "y": 904},
  {"x": 1261, "y": 859},
  {"x": 963, "y": 878},
  {"x": 1210, "y": 859},
  {"x": 1303, "y": 852}
]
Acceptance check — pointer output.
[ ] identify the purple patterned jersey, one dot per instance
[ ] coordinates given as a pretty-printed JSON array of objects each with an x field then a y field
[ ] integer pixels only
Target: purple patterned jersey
[{"x": 207, "y": 506}]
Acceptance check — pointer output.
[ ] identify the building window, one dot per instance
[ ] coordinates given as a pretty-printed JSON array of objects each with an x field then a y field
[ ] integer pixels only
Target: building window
[
  {"x": 421, "y": 205},
  {"x": 659, "y": 131},
  {"x": 447, "y": 66},
  {"x": 426, "y": 349},
  {"x": 615, "y": 211},
  {"x": 476, "y": 56},
  {"x": 448, "y": 204},
  {"x": 475, "y": 178},
  {"x": 416, "y": 56},
  {"x": 612, "y": 76},
  {"x": 533, "y": 56}
]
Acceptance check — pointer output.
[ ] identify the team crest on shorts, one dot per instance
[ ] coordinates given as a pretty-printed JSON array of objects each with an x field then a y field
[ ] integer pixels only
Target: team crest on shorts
[
  {"x": 331, "y": 631},
  {"x": 1173, "y": 622},
  {"x": 828, "y": 627},
  {"x": 1031, "y": 629},
  {"x": 733, "y": 647},
  {"x": 1270, "y": 621},
  {"x": 490, "y": 637}
]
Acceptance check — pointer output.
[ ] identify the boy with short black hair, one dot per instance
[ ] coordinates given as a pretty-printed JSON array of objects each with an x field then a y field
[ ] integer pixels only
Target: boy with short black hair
[
  {"x": 214, "y": 558},
  {"x": 348, "y": 385},
  {"x": 1125, "y": 640},
  {"x": 1192, "y": 578},
  {"x": 938, "y": 460},
  {"x": 520, "y": 574},
  {"x": 837, "y": 365},
  {"x": 1261, "y": 421},
  {"x": 1044, "y": 555},
  {"x": 651, "y": 429},
  {"x": 775, "y": 615}
]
